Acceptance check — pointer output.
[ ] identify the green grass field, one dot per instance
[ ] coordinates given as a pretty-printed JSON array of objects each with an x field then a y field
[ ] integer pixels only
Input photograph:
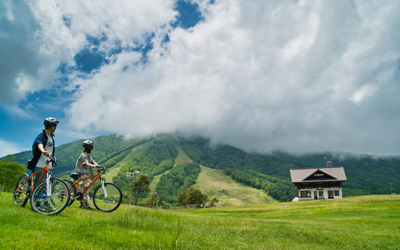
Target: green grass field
[{"x": 369, "y": 222}]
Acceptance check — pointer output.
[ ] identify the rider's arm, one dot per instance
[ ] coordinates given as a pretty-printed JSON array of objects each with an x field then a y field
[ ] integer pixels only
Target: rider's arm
[
  {"x": 40, "y": 147},
  {"x": 91, "y": 165},
  {"x": 95, "y": 163}
]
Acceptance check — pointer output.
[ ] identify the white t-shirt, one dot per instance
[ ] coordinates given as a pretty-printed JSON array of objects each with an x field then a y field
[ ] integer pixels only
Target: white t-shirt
[
  {"x": 49, "y": 148},
  {"x": 81, "y": 167}
]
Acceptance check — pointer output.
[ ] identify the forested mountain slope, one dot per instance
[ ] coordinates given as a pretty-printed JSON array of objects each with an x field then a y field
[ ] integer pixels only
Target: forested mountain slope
[
  {"x": 155, "y": 155},
  {"x": 366, "y": 174}
]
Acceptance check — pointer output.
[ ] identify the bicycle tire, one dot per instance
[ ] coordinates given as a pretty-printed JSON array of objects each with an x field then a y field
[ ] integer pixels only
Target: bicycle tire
[
  {"x": 53, "y": 204},
  {"x": 110, "y": 203},
  {"x": 21, "y": 192},
  {"x": 72, "y": 191}
]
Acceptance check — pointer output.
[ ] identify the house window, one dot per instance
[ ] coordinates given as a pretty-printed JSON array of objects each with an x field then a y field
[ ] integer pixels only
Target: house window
[
  {"x": 305, "y": 194},
  {"x": 321, "y": 193},
  {"x": 336, "y": 192}
]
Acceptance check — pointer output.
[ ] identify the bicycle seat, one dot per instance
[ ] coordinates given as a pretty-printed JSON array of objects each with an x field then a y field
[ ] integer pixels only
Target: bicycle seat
[{"x": 74, "y": 176}]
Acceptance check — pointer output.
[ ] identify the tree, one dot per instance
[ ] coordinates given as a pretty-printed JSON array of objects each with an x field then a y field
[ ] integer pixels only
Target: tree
[
  {"x": 142, "y": 183},
  {"x": 155, "y": 200},
  {"x": 182, "y": 198},
  {"x": 160, "y": 201},
  {"x": 213, "y": 201},
  {"x": 191, "y": 196},
  {"x": 9, "y": 172},
  {"x": 195, "y": 196}
]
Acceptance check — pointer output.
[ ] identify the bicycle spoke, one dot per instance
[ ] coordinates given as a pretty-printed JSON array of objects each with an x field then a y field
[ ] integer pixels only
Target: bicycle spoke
[
  {"x": 107, "y": 198},
  {"x": 54, "y": 203},
  {"x": 72, "y": 191},
  {"x": 21, "y": 190}
]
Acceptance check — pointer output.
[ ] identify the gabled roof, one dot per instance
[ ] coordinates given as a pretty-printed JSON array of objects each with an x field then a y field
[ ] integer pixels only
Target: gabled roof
[{"x": 303, "y": 174}]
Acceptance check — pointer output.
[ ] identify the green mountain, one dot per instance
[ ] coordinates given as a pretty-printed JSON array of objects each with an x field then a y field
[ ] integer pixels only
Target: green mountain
[{"x": 157, "y": 156}]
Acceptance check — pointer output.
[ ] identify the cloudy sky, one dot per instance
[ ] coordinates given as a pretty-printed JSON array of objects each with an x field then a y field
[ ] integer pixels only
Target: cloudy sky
[{"x": 260, "y": 75}]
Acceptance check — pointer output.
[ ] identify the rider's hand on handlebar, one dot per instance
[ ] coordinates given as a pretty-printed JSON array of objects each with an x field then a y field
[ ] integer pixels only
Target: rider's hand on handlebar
[{"x": 46, "y": 153}]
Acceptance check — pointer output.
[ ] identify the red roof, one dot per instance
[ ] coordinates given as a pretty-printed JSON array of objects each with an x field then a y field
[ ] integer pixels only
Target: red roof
[{"x": 301, "y": 174}]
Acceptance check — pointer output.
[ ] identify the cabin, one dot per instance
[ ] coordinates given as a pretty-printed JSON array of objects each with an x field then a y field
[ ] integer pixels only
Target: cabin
[{"x": 318, "y": 183}]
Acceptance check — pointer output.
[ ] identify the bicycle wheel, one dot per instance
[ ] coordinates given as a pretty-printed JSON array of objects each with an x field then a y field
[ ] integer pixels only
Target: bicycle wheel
[
  {"x": 72, "y": 191},
  {"x": 53, "y": 203},
  {"x": 20, "y": 192},
  {"x": 107, "y": 199}
]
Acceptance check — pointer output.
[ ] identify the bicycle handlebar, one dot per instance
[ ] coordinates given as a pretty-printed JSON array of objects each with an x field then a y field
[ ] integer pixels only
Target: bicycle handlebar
[
  {"x": 101, "y": 168},
  {"x": 52, "y": 159}
]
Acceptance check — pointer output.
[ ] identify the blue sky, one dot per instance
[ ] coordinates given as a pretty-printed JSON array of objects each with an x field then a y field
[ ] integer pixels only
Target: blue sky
[{"x": 301, "y": 76}]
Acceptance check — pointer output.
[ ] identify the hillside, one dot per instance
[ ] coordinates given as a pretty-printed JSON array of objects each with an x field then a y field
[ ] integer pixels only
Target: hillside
[
  {"x": 172, "y": 163},
  {"x": 215, "y": 183}
]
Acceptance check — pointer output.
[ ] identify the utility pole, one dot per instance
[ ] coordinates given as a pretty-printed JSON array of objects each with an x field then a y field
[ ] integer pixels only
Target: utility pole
[{"x": 131, "y": 176}]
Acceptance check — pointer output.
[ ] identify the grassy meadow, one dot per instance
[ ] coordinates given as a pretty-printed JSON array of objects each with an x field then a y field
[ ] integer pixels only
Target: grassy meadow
[{"x": 364, "y": 222}]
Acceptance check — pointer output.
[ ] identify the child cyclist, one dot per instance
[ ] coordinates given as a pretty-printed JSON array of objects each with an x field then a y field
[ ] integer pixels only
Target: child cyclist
[{"x": 84, "y": 167}]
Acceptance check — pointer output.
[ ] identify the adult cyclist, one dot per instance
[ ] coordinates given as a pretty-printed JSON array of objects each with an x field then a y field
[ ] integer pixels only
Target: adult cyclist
[{"x": 43, "y": 147}]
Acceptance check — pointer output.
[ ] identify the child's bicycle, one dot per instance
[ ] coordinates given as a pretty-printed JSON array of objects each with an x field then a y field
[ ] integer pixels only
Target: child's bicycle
[
  {"x": 49, "y": 196},
  {"x": 106, "y": 197}
]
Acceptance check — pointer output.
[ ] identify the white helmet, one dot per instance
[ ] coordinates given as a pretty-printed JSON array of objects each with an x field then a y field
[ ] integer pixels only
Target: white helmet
[{"x": 87, "y": 143}]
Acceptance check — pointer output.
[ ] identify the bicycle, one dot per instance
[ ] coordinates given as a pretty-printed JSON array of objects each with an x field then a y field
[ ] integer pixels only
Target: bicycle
[
  {"x": 49, "y": 196},
  {"x": 106, "y": 197}
]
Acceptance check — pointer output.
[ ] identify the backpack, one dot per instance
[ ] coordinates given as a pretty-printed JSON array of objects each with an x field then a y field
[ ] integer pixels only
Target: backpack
[{"x": 30, "y": 165}]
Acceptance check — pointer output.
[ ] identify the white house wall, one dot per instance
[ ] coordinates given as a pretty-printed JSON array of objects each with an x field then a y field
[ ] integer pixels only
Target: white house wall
[{"x": 325, "y": 193}]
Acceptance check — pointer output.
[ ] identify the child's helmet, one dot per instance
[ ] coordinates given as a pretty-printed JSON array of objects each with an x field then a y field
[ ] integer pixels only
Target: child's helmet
[{"x": 87, "y": 143}]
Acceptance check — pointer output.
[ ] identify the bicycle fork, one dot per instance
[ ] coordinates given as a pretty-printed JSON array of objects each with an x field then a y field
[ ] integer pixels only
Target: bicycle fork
[
  {"x": 104, "y": 188},
  {"x": 48, "y": 185}
]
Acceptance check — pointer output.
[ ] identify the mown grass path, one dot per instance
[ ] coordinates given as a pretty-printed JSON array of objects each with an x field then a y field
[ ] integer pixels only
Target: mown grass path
[
  {"x": 111, "y": 173},
  {"x": 215, "y": 183},
  {"x": 370, "y": 222},
  {"x": 182, "y": 157}
]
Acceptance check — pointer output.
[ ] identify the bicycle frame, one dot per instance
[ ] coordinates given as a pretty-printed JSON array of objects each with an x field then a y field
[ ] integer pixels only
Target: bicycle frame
[
  {"x": 96, "y": 177},
  {"x": 44, "y": 171}
]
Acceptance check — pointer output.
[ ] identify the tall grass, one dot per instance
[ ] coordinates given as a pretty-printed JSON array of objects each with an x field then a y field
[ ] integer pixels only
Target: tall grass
[{"x": 355, "y": 223}]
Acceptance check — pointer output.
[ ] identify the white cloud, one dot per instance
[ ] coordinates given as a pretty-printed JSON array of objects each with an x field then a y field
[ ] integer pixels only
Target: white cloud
[
  {"x": 16, "y": 111},
  {"x": 37, "y": 42},
  {"x": 364, "y": 92},
  {"x": 8, "y": 148},
  {"x": 259, "y": 75},
  {"x": 301, "y": 76}
]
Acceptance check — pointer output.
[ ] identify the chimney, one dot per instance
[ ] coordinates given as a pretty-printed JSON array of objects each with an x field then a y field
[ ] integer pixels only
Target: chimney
[{"x": 328, "y": 164}]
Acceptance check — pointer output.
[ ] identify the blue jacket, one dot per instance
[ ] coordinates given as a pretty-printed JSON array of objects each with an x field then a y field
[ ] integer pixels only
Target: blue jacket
[{"x": 40, "y": 139}]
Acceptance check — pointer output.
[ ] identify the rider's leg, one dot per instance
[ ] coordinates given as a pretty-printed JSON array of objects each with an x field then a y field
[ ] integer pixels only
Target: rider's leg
[
  {"x": 41, "y": 195},
  {"x": 85, "y": 199}
]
